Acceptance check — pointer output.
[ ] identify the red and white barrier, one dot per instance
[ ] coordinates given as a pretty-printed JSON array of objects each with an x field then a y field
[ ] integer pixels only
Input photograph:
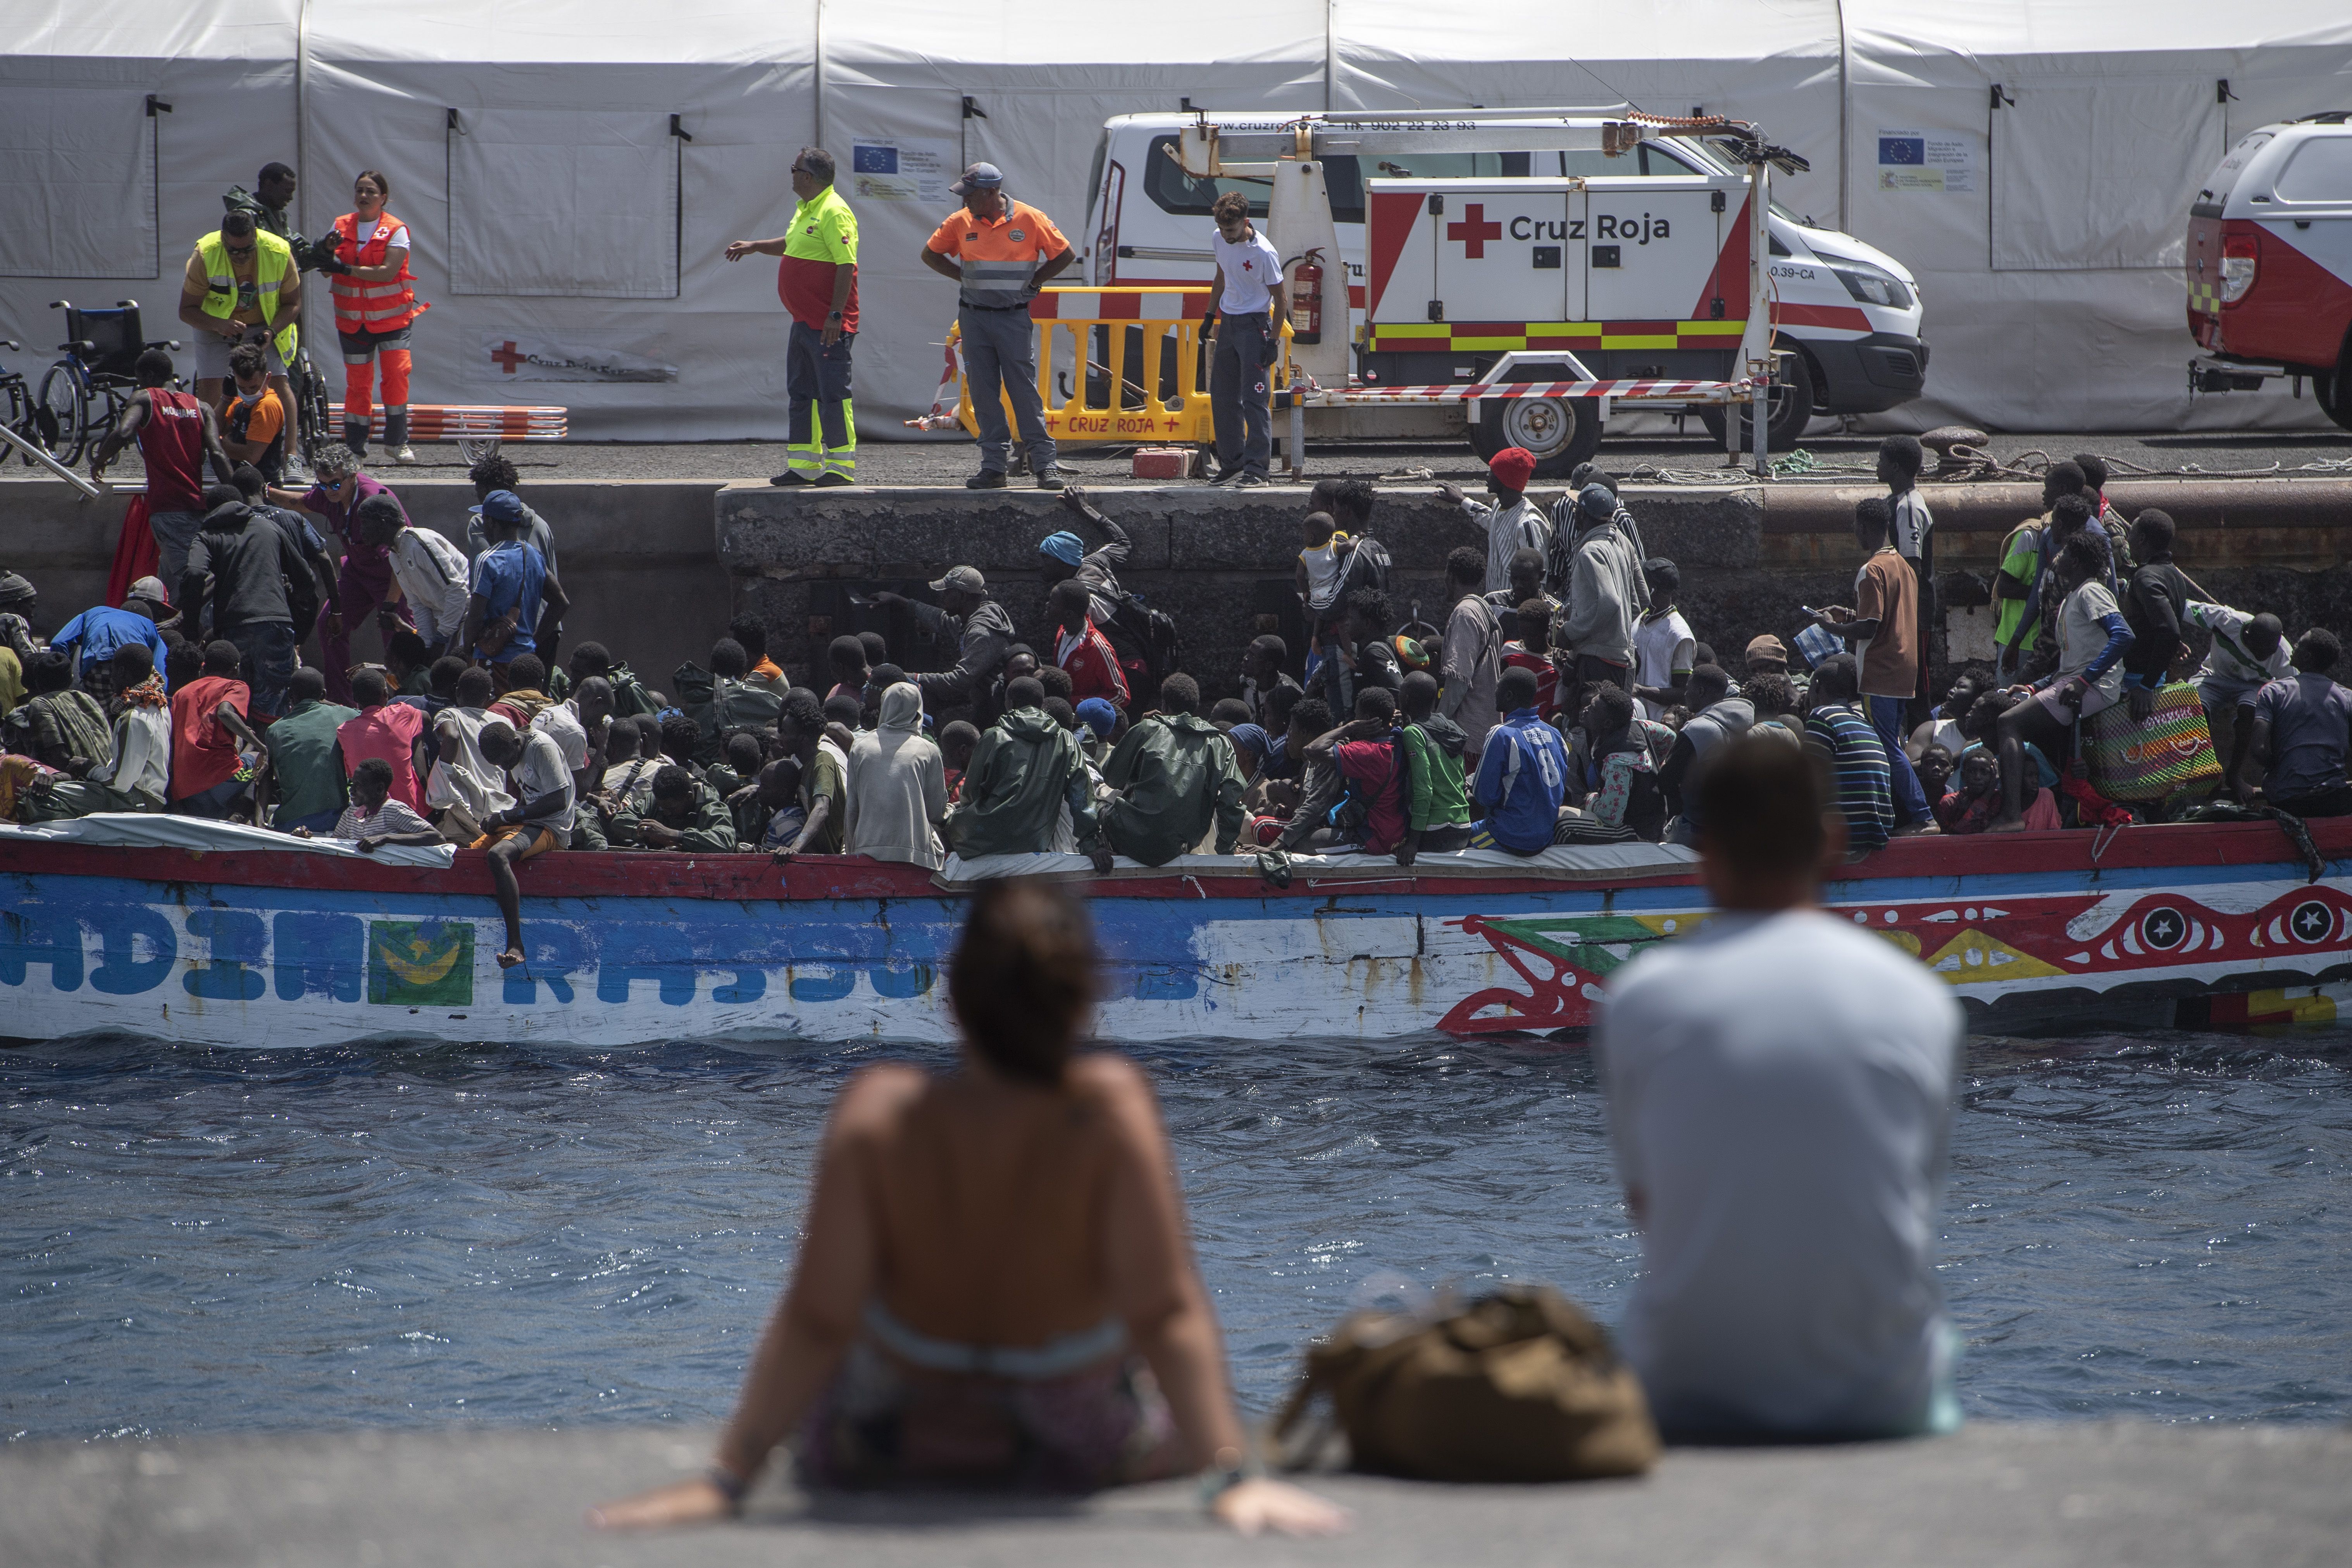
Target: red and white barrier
[{"x": 471, "y": 421}]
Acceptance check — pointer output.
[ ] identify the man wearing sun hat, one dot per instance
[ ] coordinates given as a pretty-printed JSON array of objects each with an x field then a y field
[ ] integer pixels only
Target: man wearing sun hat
[
  {"x": 1000, "y": 252},
  {"x": 1512, "y": 522}
]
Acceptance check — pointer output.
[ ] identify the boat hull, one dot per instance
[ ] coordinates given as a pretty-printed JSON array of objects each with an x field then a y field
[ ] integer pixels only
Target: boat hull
[{"x": 273, "y": 950}]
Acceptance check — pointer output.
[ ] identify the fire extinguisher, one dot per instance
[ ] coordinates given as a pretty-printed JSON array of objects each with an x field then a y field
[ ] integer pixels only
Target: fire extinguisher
[{"x": 1307, "y": 299}]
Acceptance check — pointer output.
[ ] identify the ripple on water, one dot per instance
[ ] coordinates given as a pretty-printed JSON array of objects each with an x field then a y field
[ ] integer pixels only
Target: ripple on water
[{"x": 200, "y": 1240}]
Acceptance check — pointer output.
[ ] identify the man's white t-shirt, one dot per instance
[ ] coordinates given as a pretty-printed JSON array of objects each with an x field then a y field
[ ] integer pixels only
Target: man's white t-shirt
[
  {"x": 1252, "y": 269},
  {"x": 1661, "y": 645},
  {"x": 1781, "y": 1093},
  {"x": 561, "y": 723},
  {"x": 539, "y": 773},
  {"x": 432, "y": 576}
]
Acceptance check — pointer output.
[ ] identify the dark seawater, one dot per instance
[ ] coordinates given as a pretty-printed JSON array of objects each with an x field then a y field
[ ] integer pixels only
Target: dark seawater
[{"x": 211, "y": 1240}]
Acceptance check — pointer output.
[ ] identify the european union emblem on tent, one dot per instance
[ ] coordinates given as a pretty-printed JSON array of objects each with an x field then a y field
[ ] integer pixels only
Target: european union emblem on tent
[
  {"x": 1911, "y": 151},
  {"x": 874, "y": 160}
]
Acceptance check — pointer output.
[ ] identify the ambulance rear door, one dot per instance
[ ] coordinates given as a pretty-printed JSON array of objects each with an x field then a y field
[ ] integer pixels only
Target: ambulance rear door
[
  {"x": 1501, "y": 253},
  {"x": 1650, "y": 247}
]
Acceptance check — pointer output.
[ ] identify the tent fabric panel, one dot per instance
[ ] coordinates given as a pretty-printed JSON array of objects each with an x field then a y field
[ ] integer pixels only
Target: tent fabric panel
[
  {"x": 77, "y": 182},
  {"x": 2092, "y": 172},
  {"x": 521, "y": 181}
]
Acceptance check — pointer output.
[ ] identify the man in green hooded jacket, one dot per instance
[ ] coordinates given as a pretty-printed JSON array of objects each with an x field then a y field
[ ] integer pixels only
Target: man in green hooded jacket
[
  {"x": 1173, "y": 773},
  {"x": 1025, "y": 769}
]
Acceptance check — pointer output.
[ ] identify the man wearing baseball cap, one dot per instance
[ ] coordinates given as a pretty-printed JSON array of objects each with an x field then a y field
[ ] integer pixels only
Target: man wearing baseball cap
[
  {"x": 1767, "y": 655},
  {"x": 1604, "y": 593},
  {"x": 1000, "y": 252},
  {"x": 1511, "y": 522},
  {"x": 984, "y": 638}
]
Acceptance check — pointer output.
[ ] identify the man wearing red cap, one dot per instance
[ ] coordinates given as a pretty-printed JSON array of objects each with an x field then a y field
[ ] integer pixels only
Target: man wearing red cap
[{"x": 1512, "y": 522}]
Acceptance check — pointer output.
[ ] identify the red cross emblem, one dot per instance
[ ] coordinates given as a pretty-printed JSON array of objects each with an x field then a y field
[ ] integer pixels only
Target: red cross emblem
[
  {"x": 1473, "y": 231},
  {"x": 505, "y": 357}
]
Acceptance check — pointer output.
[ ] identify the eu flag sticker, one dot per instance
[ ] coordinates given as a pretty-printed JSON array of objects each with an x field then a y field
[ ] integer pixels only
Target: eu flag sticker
[
  {"x": 1910, "y": 152},
  {"x": 864, "y": 160},
  {"x": 421, "y": 964}
]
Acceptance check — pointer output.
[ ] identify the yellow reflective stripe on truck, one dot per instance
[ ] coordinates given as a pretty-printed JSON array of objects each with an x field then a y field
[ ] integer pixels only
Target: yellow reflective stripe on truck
[{"x": 1504, "y": 337}]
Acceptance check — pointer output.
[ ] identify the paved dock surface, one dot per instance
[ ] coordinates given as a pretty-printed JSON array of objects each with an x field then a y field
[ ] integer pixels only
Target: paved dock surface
[
  {"x": 2302, "y": 453},
  {"x": 2019, "y": 1495}
]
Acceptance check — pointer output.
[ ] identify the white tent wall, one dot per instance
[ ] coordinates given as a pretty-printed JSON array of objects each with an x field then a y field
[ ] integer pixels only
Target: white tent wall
[
  {"x": 128, "y": 192},
  {"x": 2052, "y": 284},
  {"x": 580, "y": 230},
  {"x": 2050, "y": 260},
  {"x": 897, "y": 82}
]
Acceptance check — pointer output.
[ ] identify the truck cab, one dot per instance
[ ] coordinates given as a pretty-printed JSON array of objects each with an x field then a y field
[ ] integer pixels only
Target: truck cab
[
  {"x": 2269, "y": 263},
  {"x": 1848, "y": 314}
]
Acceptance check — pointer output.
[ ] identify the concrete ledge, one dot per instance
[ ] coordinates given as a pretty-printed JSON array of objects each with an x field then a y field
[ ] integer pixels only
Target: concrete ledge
[{"x": 2014, "y": 1494}]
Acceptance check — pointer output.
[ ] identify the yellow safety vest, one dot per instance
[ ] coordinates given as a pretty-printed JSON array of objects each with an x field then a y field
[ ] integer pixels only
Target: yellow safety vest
[{"x": 274, "y": 261}]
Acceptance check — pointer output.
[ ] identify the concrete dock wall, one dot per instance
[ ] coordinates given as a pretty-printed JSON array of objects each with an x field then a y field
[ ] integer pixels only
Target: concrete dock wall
[
  {"x": 657, "y": 568},
  {"x": 1220, "y": 561},
  {"x": 635, "y": 557}
]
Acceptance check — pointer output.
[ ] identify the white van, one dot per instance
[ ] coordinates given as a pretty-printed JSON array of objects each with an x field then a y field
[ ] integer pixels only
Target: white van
[
  {"x": 2270, "y": 263},
  {"x": 1851, "y": 312}
]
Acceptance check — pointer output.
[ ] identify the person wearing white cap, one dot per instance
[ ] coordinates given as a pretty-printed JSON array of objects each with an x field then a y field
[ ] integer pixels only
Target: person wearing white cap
[{"x": 1000, "y": 253}]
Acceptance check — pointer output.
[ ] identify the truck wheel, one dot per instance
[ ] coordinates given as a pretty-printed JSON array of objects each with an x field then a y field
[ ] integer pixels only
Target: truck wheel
[
  {"x": 1792, "y": 410},
  {"x": 2332, "y": 389},
  {"x": 1560, "y": 432}
]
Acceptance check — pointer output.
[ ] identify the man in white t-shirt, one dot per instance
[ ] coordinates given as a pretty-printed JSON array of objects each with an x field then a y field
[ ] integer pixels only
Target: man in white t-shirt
[
  {"x": 540, "y": 820},
  {"x": 1666, "y": 650},
  {"x": 432, "y": 572},
  {"x": 1249, "y": 301},
  {"x": 1780, "y": 1088}
]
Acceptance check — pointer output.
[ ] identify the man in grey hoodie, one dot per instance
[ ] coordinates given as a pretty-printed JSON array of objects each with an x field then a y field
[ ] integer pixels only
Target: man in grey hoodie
[
  {"x": 1024, "y": 769},
  {"x": 1604, "y": 593}
]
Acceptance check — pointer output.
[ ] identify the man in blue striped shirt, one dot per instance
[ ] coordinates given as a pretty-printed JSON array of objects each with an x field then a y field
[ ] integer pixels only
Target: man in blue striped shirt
[{"x": 1839, "y": 733}]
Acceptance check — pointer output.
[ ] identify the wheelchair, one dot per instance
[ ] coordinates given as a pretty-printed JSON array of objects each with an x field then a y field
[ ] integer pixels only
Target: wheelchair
[
  {"x": 17, "y": 402},
  {"x": 84, "y": 394}
]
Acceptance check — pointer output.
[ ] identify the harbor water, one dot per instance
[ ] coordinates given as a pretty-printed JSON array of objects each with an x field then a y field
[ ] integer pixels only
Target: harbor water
[{"x": 203, "y": 1241}]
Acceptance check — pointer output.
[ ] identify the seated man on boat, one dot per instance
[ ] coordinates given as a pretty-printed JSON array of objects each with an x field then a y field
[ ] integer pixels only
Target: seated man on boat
[
  {"x": 1025, "y": 771},
  {"x": 2092, "y": 638},
  {"x": 540, "y": 820},
  {"x": 375, "y": 818},
  {"x": 1841, "y": 735},
  {"x": 1437, "y": 803},
  {"x": 684, "y": 814},
  {"x": 1172, "y": 780},
  {"x": 2301, "y": 734},
  {"x": 824, "y": 767},
  {"x": 996, "y": 1289},
  {"x": 1780, "y": 1089},
  {"x": 214, "y": 749},
  {"x": 1369, "y": 814}
]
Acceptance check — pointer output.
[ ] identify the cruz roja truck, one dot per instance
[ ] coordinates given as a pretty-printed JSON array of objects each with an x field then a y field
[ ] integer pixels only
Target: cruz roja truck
[
  {"x": 2269, "y": 263},
  {"x": 1512, "y": 276}
]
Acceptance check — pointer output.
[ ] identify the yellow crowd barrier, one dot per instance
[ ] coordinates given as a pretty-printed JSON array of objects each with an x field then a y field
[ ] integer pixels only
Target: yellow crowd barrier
[{"x": 1121, "y": 365}]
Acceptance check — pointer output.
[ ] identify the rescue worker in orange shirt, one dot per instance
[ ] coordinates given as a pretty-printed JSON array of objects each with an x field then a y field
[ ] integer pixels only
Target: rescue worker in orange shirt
[
  {"x": 1001, "y": 252},
  {"x": 376, "y": 300},
  {"x": 252, "y": 419}
]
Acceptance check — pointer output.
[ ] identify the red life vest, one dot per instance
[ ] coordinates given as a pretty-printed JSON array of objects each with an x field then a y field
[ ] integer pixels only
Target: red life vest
[{"x": 371, "y": 306}]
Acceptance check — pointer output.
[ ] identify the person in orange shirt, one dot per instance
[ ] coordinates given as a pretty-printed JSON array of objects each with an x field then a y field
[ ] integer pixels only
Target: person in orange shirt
[
  {"x": 1000, "y": 253},
  {"x": 253, "y": 422}
]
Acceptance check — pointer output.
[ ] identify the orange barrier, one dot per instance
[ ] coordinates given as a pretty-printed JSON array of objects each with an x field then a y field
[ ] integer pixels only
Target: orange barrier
[{"x": 471, "y": 421}]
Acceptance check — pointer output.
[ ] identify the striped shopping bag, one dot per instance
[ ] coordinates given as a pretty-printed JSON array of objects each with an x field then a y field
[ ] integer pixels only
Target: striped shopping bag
[{"x": 2171, "y": 753}]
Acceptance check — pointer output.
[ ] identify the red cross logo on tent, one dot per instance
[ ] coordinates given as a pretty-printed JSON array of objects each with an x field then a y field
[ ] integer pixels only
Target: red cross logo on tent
[
  {"x": 505, "y": 357},
  {"x": 1473, "y": 231}
]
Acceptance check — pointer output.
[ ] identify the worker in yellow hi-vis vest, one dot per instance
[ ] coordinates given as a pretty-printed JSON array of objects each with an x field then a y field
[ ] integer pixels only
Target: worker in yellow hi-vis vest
[{"x": 817, "y": 280}]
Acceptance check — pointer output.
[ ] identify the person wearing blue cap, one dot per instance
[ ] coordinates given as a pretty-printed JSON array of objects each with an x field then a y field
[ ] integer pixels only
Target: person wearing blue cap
[
  {"x": 1099, "y": 720},
  {"x": 510, "y": 586},
  {"x": 1605, "y": 592},
  {"x": 1000, "y": 253}
]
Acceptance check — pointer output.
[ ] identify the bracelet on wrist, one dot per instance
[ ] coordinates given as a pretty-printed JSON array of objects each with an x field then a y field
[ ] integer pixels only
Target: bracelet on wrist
[{"x": 1229, "y": 1469}]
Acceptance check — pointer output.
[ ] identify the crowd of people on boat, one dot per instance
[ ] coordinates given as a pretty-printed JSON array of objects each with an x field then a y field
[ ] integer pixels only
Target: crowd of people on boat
[{"x": 1567, "y": 700}]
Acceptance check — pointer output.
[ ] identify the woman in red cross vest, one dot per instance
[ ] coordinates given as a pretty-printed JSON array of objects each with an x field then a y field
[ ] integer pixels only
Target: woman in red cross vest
[{"x": 374, "y": 303}]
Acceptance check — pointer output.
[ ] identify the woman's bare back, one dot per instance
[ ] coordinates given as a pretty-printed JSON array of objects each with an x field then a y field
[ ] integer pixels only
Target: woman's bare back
[{"x": 991, "y": 1200}]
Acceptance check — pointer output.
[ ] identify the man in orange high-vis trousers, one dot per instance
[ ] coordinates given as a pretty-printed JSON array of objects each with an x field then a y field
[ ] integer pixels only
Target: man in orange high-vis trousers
[{"x": 376, "y": 300}]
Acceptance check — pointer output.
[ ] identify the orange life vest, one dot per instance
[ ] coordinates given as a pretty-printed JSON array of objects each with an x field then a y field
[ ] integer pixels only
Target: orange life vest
[{"x": 371, "y": 306}]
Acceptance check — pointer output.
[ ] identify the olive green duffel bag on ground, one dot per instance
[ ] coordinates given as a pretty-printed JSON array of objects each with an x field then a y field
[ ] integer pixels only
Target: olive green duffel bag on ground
[{"x": 1520, "y": 1385}]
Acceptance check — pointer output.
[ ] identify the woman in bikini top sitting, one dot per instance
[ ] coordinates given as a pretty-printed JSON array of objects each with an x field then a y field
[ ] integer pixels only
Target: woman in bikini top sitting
[{"x": 996, "y": 1286}]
